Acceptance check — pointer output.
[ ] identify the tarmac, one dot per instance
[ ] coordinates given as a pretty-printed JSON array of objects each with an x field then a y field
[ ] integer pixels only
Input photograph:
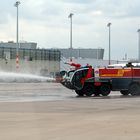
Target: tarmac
[{"x": 49, "y": 111}]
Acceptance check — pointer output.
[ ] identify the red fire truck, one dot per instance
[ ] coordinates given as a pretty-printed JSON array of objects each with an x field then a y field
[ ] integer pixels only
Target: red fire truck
[{"x": 89, "y": 81}]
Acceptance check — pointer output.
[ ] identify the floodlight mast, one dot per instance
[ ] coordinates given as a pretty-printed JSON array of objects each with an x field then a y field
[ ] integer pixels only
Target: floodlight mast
[
  {"x": 17, "y": 35},
  {"x": 109, "y": 53},
  {"x": 138, "y": 44},
  {"x": 70, "y": 16}
]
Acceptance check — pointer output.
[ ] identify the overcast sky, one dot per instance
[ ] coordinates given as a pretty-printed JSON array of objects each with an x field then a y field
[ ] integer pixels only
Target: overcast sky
[{"x": 46, "y": 22}]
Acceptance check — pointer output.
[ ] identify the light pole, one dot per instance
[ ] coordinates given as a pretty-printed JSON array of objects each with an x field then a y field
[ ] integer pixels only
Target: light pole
[
  {"x": 97, "y": 53},
  {"x": 109, "y": 55},
  {"x": 138, "y": 44},
  {"x": 70, "y": 16},
  {"x": 17, "y": 41}
]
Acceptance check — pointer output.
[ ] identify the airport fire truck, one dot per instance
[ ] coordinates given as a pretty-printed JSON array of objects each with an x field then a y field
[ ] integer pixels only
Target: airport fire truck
[{"x": 88, "y": 81}]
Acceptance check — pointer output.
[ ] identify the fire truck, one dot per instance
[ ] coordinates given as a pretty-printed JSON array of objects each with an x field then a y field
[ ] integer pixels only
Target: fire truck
[{"x": 88, "y": 81}]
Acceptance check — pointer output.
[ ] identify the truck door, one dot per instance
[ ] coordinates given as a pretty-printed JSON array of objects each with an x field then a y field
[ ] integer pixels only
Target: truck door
[{"x": 76, "y": 79}]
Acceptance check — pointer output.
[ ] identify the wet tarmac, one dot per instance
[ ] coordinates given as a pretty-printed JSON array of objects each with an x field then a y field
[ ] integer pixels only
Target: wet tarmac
[
  {"x": 29, "y": 92},
  {"x": 49, "y": 111},
  {"x": 26, "y": 92}
]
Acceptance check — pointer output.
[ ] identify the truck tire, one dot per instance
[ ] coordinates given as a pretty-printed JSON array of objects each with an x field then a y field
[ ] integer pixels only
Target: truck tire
[
  {"x": 105, "y": 89},
  {"x": 134, "y": 89},
  {"x": 97, "y": 91},
  {"x": 79, "y": 92},
  {"x": 124, "y": 92},
  {"x": 88, "y": 89}
]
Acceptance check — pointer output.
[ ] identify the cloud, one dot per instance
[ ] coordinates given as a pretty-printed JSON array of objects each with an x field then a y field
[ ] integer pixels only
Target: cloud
[
  {"x": 78, "y": 1},
  {"x": 119, "y": 8},
  {"x": 53, "y": 11}
]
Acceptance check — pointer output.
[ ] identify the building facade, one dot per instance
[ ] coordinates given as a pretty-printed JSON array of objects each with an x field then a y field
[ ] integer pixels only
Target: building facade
[
  {"x": 83, "y": 53},
  {"x": 44, "y": 62},
  {"x": 25, "y": 45}
]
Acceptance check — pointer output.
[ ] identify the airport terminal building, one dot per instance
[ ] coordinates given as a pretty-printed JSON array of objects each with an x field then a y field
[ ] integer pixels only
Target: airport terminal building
[
  {"x": 31, "y": 59},
  {"x": 44, "y": 62},
  {"x": 97, "y": 53}
]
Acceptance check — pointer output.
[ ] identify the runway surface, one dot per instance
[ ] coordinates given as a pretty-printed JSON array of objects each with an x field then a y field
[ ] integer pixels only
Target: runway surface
[
  {"x": 27, "y": 92},
  {"x": 49, "y": 111}
]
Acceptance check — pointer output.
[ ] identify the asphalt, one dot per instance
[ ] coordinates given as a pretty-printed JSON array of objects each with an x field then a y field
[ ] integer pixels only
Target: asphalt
[{"x": 49, "y": 111}]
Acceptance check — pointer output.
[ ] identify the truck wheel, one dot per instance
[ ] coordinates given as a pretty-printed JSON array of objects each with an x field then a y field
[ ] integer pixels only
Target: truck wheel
[
  {"x": 97, "y": 91},
  {"x": 134, "y": 89},
  {"x": 124, "y": 92},
  {"x": 88, "y": 89},
  {"x": 105, "y": 90},
  {"x": 79, "y": 92}
]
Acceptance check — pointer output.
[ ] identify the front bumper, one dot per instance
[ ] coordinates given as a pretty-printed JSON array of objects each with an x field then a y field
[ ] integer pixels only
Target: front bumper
[{"x": 67, "y": 84}]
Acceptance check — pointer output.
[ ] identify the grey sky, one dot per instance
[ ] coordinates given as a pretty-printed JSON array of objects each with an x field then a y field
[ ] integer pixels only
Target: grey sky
[{"x": 46, "y": 22}]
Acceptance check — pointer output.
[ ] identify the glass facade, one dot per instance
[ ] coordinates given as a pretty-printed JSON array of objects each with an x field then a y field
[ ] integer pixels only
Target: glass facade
[{"x": 31, "y": 54}]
